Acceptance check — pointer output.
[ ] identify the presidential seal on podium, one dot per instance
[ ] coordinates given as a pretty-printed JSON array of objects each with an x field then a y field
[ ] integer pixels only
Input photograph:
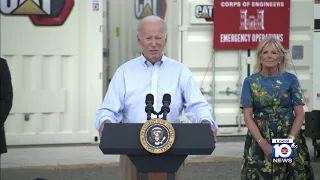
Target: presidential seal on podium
[{"x": 157, "y": 136}]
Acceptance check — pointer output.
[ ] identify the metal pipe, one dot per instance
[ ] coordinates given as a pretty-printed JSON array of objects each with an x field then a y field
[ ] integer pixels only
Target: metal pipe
[
  {"x": 239, "y": 85},
  {"x": 211, "y": 91},
  {"x": 213, "y": 84}
]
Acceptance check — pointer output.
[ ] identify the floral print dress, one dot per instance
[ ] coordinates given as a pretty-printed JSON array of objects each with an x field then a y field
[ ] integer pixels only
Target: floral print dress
[{"x": 273, "y": 100}]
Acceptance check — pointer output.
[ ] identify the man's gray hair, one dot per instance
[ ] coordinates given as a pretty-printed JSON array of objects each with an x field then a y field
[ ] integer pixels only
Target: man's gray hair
[{"x": 151, "y": 18}]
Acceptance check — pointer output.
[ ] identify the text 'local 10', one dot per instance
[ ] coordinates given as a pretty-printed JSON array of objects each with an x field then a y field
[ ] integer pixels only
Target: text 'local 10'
[{"x": 283, "y": 150}]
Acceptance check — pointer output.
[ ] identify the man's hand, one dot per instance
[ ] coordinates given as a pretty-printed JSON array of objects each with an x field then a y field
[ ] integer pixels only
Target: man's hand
[
  {"x": 214, "y": 131},
  {"x": 213, "y": 128},
  {"x": 102, "y": 126}
]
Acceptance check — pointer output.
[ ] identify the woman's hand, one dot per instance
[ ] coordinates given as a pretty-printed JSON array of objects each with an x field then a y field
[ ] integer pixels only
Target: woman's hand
[{"x": 266, "y": 147}]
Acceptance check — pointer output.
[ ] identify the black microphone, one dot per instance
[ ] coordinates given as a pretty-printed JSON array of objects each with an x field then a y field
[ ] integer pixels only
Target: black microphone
[
  {"x": 149, "y": 105},
  {"x": 165, "y": 109}
]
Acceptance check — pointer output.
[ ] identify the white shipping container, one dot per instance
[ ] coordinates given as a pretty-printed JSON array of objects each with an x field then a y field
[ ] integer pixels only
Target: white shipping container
[
  {"x": 316, "y": 60},
  {"x": 56, "y": 76}
]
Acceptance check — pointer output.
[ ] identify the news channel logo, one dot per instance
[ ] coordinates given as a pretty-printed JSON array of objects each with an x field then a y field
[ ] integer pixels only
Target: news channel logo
[{"x": 282, "y": 150}]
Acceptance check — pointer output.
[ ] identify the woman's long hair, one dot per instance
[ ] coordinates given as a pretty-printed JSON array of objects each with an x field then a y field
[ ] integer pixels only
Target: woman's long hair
[{"x": 277, "y": 46}]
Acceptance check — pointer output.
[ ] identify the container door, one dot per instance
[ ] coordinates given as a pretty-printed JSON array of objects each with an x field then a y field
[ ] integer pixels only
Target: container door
[
  {"x": 316, "y": 73},
  {"x": 56, "y": 66},
  {"x": 220, "y": 74},
  {"x": 301, "y": 47}
]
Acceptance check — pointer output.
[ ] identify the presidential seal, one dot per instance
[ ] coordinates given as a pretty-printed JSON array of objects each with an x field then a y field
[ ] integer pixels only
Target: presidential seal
[{"x": 157, "y": 136}]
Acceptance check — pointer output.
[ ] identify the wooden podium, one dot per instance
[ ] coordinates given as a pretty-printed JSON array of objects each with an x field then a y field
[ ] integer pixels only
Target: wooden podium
[{"x": 173, "y": 145}]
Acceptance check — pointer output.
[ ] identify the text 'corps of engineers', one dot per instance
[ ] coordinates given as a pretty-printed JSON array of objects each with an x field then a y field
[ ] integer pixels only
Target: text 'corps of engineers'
[{"x": 250, "y": 22}]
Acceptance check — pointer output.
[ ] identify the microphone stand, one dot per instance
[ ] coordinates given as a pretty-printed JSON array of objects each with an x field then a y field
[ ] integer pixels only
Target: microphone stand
[
  {"x": 165, "y": 113},
  {"x": 156, "y": 113},
  {"x": 164, "y": 110},
  {"x": 150, "y": 110},
  {"x": 148, "y": 116}
]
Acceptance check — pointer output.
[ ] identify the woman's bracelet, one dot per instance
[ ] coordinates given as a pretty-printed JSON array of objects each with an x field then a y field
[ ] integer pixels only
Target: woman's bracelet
[
  {"x": 292, "y": 137},
  {"x": 260, "y": 140}
]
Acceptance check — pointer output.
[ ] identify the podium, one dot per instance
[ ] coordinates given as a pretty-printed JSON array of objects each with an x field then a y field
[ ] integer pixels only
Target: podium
[{"x": 131, "y": 139}]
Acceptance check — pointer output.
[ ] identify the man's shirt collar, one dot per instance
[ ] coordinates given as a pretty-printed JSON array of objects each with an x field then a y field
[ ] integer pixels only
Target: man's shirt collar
[{"x": 146, "y": 63}]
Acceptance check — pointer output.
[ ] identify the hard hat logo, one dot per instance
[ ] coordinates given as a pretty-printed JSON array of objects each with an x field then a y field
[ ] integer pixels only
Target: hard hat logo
[
  {"x": 41, "y": 13},
  {"x": 145, "y": 8}
]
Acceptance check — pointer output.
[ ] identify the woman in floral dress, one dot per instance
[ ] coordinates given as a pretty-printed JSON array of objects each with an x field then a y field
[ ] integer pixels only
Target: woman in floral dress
[{"x": 272, "y": 104}]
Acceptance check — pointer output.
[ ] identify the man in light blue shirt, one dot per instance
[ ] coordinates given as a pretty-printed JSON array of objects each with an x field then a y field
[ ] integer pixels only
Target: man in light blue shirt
[{"x": 157, "y": 74}]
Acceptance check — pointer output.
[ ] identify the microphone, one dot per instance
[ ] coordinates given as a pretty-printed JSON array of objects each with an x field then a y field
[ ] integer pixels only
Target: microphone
[
  {"x": 165, "y": 109},
  {"x": 149, "y": 105}
]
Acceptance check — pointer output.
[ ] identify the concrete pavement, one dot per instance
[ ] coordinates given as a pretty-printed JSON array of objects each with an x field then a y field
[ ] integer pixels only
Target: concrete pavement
[
  {"x": 83, "y": 162},
  {"x": 91, "y": 154}
]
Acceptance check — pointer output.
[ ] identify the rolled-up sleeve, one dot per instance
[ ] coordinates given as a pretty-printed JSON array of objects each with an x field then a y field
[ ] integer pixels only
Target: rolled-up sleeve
[
  {"x": 196, "y": 108},
  {"x": 113, "y": 103}
]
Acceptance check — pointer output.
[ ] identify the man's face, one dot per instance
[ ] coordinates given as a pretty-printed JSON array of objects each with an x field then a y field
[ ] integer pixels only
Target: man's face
[{"x": 152, "y": 40}]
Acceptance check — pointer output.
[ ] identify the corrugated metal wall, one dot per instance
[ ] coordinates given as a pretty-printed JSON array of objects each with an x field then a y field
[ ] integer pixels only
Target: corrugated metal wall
[{"x": 56, "y": 75}]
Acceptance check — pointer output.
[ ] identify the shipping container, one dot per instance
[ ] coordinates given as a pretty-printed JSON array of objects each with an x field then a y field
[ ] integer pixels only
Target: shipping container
[
  {"x": 56, "y": 75},
  {"x": 316, "y": 58}
]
